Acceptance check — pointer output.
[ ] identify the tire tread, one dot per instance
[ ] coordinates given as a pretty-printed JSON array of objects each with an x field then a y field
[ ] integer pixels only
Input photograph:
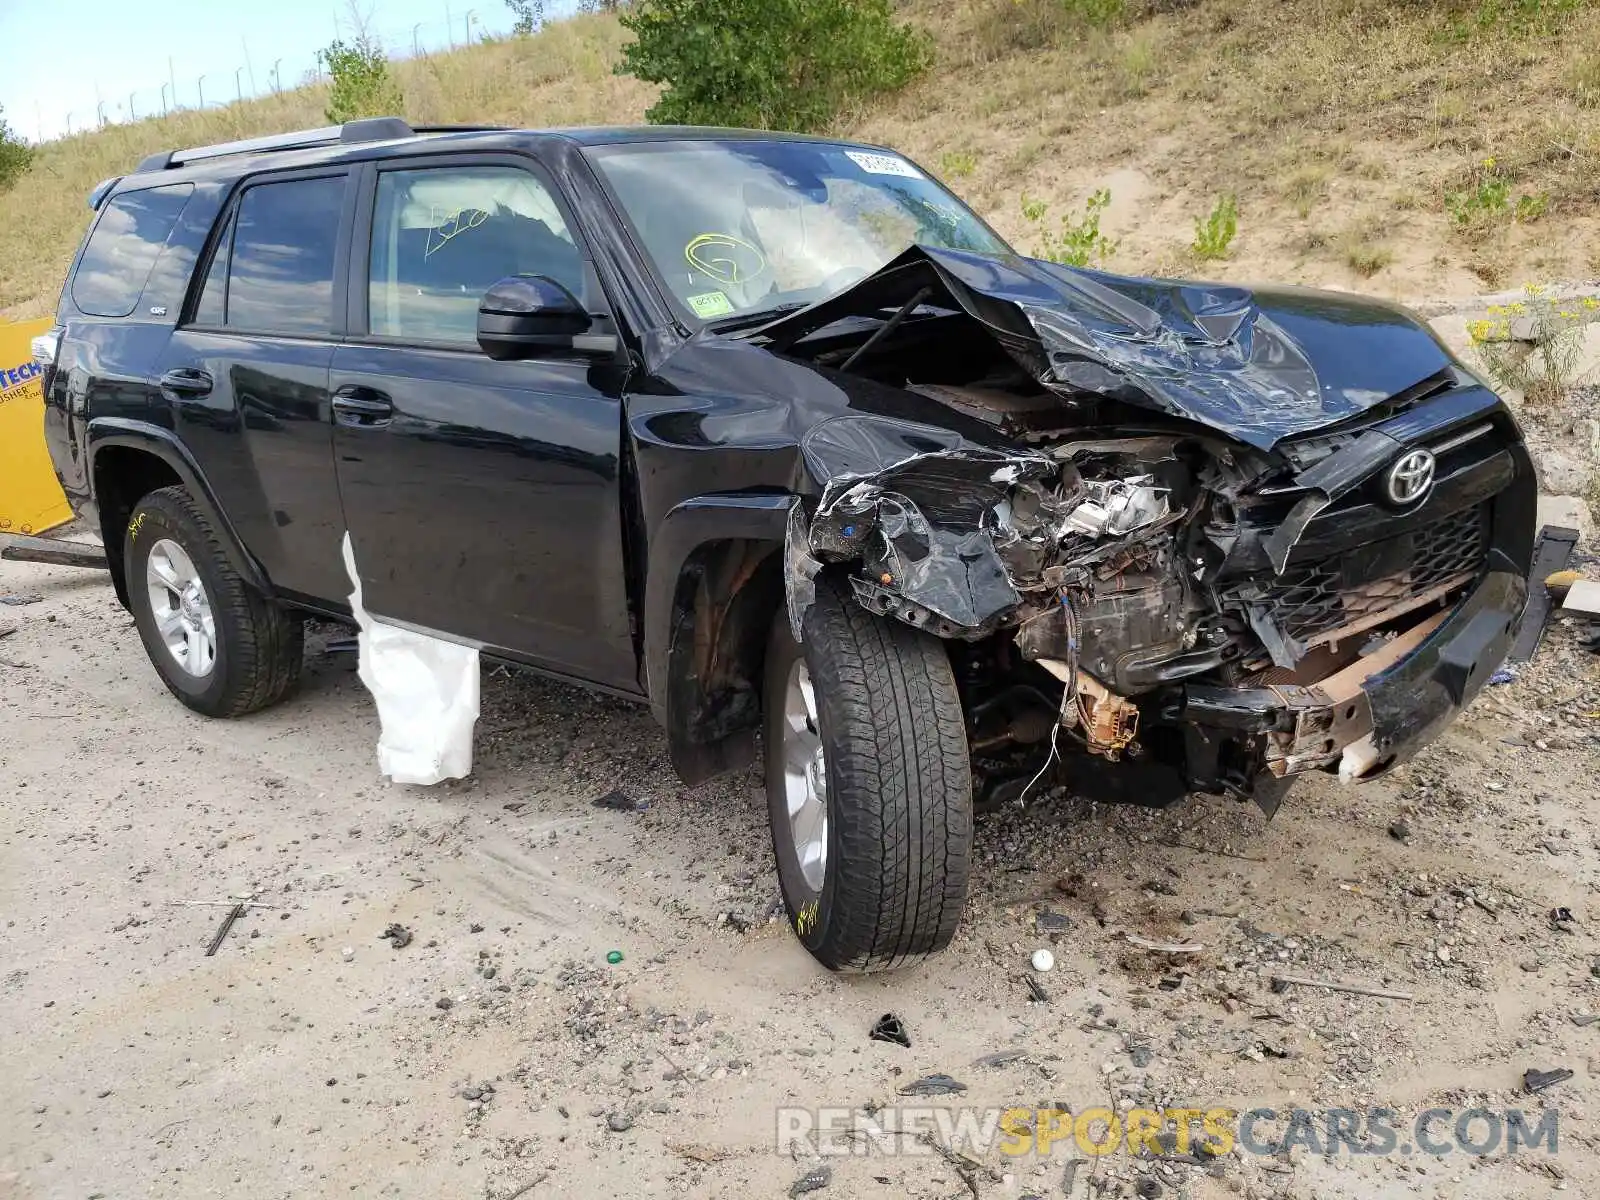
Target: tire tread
[{"x": 899, "y": 757}]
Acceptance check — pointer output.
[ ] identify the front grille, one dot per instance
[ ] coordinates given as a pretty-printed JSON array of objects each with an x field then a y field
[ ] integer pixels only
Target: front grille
[{"x": 1367, "y": 585}]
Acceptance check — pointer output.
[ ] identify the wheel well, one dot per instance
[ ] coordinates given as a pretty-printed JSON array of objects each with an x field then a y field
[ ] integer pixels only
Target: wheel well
[
  {"x": 122, "y": 476},
  {"x": 726, "y": 595}
]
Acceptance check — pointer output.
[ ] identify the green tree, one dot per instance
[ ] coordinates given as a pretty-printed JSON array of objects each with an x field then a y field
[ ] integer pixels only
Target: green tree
[
  {"x": 768, "y": 64},
  {"x": 529, "y": 16},
  {"x": 362, "y": 85},
  {"x": 15, "y": 154}
]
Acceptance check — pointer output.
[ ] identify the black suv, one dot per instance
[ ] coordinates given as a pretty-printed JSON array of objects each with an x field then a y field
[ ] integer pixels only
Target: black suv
[{"x": 774, "y": 434}]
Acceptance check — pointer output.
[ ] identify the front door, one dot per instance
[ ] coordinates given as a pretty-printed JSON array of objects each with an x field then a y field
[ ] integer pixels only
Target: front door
[{"x": 483, "y": 498}]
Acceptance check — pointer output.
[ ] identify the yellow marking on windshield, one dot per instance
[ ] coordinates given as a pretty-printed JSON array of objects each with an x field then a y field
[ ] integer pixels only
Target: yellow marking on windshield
[
  {"x": 443, "y": 228},
  {"x": 725, "y": 258}
]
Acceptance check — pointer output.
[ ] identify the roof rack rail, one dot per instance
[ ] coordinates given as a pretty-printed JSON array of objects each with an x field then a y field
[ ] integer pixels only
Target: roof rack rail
[
  {"x": 370, "y": 129},
  {"x": 461, "y": 128}
]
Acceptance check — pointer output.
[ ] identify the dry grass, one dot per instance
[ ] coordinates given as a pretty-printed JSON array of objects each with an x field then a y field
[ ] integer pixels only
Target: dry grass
[
  {"x": 1349, "y": 111},
  {"x": 1332, "y": 108},
  {"x": 561, "y": 77}
]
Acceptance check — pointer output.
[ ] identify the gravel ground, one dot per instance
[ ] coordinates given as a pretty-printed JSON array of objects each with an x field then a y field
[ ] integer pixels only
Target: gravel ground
[{"x": 499, "y": 1054}]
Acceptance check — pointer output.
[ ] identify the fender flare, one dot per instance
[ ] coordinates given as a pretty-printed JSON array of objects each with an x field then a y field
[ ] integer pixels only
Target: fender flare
[
  {"x": 160, "y": 442},
  {"x": 757, "y": 520}
]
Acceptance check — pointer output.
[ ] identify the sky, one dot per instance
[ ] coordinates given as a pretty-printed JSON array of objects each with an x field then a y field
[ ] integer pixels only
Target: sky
[{"x": 85, "y": 53}]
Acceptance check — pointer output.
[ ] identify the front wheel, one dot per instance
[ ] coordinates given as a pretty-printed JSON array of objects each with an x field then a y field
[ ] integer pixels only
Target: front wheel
[{"x": 869, "y": 785}]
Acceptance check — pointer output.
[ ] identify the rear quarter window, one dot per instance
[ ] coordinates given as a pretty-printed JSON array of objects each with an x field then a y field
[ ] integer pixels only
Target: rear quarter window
[{"x": 122, "y": 250}]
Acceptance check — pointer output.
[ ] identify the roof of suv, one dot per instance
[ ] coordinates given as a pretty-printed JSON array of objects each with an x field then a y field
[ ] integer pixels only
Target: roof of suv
[{"x": 392, "y": 135}]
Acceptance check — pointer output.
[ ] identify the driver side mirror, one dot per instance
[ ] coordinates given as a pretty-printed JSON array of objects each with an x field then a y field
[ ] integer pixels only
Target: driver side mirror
[{"x": 524, "y": 315}]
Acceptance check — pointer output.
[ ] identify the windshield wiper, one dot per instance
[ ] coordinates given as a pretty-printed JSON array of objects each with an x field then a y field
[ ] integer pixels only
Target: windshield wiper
[{"x": 760, "y": 317}]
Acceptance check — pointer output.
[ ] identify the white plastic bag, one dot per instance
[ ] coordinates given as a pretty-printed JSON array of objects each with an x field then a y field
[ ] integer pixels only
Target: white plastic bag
[{"x": 426, "y": 690}]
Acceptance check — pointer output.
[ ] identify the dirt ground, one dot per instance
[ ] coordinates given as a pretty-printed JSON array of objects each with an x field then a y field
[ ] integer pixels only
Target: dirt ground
[{"x": 309, "y": 1057}]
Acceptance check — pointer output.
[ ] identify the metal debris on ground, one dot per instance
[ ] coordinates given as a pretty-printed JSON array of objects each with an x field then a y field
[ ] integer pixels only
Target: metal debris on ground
[
  {"x": 398, "y": 936},
  {"x": 19, "y": 600},
  {"x": 1047, "y": 920},
  {"x": 234, "y": 914},
  {"x": 890, "y": 1028},
  {"x": 934, "y": 1085},
  {"x": 1562, "y": 920},
  {"x": 619, "y": 801},
  {"x": 1145, "y": 943},
  {"x": 1000, "y": 1058},
  {"x": 23, "y": 548},
  {"x": 1537, "y": 1081},
  {"x": 1040, "y": 996},
  {"x": 1282, "y": 982},
  {"x": 813, "y": 1180}
]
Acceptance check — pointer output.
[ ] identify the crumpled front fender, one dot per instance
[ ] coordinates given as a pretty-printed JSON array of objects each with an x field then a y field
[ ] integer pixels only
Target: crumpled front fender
[{"x": 916, "y": 504}]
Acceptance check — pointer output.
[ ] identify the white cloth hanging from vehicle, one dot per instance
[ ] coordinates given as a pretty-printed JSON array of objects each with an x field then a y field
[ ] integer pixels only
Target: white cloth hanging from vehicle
[{"x": 426, "y": 690}]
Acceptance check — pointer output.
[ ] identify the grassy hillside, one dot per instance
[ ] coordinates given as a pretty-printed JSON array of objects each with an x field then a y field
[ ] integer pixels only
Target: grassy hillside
[{"x": 1354, "y": 133}]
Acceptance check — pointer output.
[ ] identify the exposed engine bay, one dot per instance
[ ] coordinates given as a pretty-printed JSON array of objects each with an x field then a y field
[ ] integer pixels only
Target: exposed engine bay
[{"x": 1119, "y": 579}]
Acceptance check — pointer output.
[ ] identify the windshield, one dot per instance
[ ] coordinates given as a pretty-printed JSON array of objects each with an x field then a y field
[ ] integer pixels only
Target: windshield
[{"x": 745, "y": 226}]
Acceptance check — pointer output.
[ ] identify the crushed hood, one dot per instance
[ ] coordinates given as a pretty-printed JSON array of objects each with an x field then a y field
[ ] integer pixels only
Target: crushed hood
[{"x": 1257, "y": 364}]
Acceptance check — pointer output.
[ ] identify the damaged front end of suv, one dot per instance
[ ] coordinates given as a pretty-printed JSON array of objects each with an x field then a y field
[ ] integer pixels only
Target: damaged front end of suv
[{"x": 1216, "y": 537}]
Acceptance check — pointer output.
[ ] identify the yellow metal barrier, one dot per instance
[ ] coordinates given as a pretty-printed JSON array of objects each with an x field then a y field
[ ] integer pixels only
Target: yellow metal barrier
[{"x": 30, "y": 498}]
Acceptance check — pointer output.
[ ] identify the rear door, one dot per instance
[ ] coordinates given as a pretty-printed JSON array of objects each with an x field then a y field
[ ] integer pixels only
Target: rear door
[
  {"x": 246, "y": 374},
  {"x": 483, "y": 497}
]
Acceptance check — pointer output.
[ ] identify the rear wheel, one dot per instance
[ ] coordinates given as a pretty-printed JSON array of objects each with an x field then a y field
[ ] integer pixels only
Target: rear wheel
[
  {"x": 219, "y": 646},
  {"x": 869, "y": 785}
]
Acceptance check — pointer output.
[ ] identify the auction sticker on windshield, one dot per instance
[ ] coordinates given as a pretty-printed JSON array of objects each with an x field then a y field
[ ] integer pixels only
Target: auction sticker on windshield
[
  {"x": 882, "y": 164},
  {"x": 711, "y": 304}
]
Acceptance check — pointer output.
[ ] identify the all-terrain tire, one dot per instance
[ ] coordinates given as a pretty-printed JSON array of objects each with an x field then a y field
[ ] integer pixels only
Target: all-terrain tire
[
  {"x": 899, "y": 786},
  {"x": 259, "y": 645}
]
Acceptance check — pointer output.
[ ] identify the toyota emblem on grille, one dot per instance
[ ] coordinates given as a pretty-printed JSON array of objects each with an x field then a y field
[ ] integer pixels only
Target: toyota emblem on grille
[{"x": 1411, "y": 477}]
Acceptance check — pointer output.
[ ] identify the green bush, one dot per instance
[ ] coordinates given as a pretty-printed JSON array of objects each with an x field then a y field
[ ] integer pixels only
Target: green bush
[
  {"x": 1214, "y": 232},
  {"x": 1078, "y": 242},
  {"x": 1536, "y": 17},
  {"x": 768, "y": 64},
  {"x": 362, "y": 85},
  {"x": 1487, "y": 198},
  {"x": 15, "y": 154},
  {"x": 958, "y": 164}
]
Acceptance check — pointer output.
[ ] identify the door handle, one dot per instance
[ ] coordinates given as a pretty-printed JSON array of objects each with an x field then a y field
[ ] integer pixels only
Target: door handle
[
  {"x": 360, "y": 407},
  {"x": 187, "y": 381}
]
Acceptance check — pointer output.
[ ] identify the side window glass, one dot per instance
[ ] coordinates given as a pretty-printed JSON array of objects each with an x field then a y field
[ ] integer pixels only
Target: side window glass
[
  {"x": 122, "y": 250},
  {"x": 280, "y": 273},
  {"x": 210, "y": 309},
  {"x": 441, "y": 236}
]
